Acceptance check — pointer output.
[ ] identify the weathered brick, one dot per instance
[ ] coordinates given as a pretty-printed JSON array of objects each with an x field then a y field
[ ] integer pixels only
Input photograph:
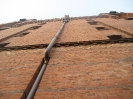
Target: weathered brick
[
  {"x": 125, "y": 25},
  {"x": 43, "y": 35},
  {"x": 97, "y": 71},
  {"x": 77, "y": 69},
  {"x": 16, "y": 71}
]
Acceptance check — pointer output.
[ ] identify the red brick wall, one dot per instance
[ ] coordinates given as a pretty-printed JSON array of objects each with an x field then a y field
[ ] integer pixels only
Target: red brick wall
[
  {"x": 1, "y": 26},
  {"x": 121, "y": 24},
  {"x": 76, "y": 72},
  {"x": 125, "y": 15},
  {"x": 89, "y": 72},
  {"x": 11, "y": 31},
  {"x": 16, "y": 70},
  {"x": 42, "y": 35},
  {"x": 80, "y": 30}
]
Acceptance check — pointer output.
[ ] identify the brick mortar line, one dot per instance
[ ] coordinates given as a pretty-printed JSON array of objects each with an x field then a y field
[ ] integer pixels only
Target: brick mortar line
[
  {"x": 13, "y": 92},
  {"x": 95, "y": 63},
  {"x": 85, "y": 88},
  {"x": 67, "y": 44},
  {"x": 72, "y": 89}
]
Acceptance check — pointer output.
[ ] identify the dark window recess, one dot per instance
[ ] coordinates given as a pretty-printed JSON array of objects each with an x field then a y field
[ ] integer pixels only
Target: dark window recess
[
  {"x": 92, "y": 23},
  {"x": 101, "y": 28},
  {"x": 22, "y": 34},
  {"x": 4, "y": 28},
  {"x": 131, "y": 18},
  {"x": 41, "y": 23},
  {"x": 87, "y": 20},
  {"x": 35, "y": 27},
  {"x": 3, "y": 45},
  {"x": 114, "y": 37}
]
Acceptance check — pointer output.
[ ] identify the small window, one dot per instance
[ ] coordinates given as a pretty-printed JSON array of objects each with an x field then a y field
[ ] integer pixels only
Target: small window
[
  {"x": 101, "y": 28},
  {"x": 22, "y": 34},
  {"x": 92, "y": 23},
  {"x": 42, "y": 23},
  {"x": 131, "y": 18},
  {"x": 4, "y": 28},
  {"x": 35, "y": 27},
  {"x": 3, "y": 45},
  {"x": 114, "y": 37}
]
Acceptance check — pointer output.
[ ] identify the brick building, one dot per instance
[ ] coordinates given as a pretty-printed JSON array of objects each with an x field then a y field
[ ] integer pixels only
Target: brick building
[{"x": 91, "y": 59}]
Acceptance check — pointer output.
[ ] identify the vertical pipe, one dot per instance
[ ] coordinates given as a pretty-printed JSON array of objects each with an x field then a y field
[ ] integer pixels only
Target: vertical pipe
[
  {"x": 46, "y": 59},
  {"x": 36, "y": 83}
]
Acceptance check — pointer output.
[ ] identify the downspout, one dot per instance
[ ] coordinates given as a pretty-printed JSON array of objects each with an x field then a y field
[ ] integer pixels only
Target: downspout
[{"x": 46, "y": 60}]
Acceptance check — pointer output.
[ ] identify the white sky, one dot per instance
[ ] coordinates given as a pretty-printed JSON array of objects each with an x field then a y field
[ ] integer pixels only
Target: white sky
[{"x": 13, "y": 10}]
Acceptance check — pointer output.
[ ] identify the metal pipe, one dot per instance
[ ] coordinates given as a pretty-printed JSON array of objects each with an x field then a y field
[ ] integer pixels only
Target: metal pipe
[
  {"x": 36, "y": 83},
  {"x": 46, "y": 59},
  {"x": 47, "y": 51}
]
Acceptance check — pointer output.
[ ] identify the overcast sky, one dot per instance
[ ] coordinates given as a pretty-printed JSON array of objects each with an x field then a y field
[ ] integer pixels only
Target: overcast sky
[{"x": 13, "y": 10}]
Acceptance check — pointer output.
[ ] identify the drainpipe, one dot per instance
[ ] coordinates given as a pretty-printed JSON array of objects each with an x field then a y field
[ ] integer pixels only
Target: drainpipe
[
  {"x": 46, "y": 60},
  {"x": 47, "y": 51}
]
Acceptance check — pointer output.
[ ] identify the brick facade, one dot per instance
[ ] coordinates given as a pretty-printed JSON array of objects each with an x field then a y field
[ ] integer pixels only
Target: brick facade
[
  {"x": 89, "y": 72},
  {"x": 16, "y": 70},
  {"x": 86, "y": 64}
]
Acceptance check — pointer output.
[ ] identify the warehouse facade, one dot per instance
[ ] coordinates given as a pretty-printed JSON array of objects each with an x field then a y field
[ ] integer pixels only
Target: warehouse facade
[{"x": 91, "y": 59}]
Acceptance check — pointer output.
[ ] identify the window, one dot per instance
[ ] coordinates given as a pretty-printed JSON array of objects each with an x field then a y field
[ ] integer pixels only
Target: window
[
  {"x": 114, "y": 37},
  {"x": 35, "y": 27},
  {"x": 93, "y": 23},
  {"x": 3, "y": 45},
  {"x": 22, "y": 34},
  {"x": 101, "y": 28},
  {"x": 131, "y": 18},
  {"x": 4, "y": 28}
]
